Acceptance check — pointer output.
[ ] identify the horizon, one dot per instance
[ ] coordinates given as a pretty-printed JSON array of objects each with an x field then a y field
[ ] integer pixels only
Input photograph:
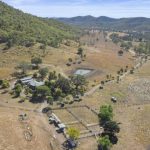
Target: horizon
[{"x": 60, "y": 8}]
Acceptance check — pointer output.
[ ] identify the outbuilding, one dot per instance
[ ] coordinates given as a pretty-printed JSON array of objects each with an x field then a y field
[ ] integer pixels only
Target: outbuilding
[
  {"x": 33, "y": 84},
  {"x": 25, "y": 80}
]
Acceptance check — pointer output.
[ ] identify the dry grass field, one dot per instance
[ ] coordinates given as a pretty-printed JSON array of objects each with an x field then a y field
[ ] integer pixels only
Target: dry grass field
[
  {"x": 88, "y": 144},
  {"x": 85, "y": 115},
  {"x": 130, "y": 110},
  {"x": 64, "y": 116}
]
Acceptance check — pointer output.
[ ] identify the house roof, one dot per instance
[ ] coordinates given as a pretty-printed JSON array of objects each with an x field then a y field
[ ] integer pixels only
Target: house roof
[
  {"x": 26, "y": 79},
  {"x": 35, "y": 83},
  {"x": 32, "y": 82}
]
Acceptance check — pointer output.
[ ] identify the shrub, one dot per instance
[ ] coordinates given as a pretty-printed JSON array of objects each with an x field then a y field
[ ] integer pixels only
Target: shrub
[
  {"x": 104, "y": 143},
  {"x": 73, "y": 133},
  {"x": 5, "y": 84}
]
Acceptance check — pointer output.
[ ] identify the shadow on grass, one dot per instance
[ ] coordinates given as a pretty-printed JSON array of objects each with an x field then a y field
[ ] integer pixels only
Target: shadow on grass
[
  {"x": 36, "y": 100},
  {"x": 112, "y": 137}
]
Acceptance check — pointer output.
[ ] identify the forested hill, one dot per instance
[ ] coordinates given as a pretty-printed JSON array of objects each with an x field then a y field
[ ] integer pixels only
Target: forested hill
[
  {"x": 18, "y": 28},
  {"x": 137, "y": 24}
]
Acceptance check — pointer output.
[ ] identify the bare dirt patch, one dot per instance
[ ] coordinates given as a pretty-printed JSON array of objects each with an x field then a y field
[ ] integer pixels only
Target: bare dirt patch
[
  {"x": 14, "y": 133},
  {"x": 87, "y": 144}
]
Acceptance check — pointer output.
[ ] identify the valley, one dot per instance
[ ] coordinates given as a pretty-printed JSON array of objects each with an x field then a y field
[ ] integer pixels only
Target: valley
[{"x": 68, "y": 87}]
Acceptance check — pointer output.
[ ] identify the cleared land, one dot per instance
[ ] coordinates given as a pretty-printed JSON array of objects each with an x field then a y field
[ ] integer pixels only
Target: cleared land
[
  {"x": 130, "y": 110},
  {"x": 14, "y": 132}
]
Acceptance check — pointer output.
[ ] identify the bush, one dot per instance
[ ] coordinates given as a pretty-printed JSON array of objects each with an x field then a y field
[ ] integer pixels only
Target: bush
[
  {"x": 18, "y": 90},
  {"x": 36, "y": 61},
  {"x": 50, "y": 100},
  {"x": 73, "y": 133},
  {"x": 5, "y": 84},
  {"x": 104, "y": 143},
  {"x": 43, "y": 72}
]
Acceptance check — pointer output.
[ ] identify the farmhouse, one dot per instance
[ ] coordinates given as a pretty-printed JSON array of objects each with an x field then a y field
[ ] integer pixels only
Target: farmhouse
[
  {"x": 25, "y": 80},
  {"x": 32, "y": 83}
]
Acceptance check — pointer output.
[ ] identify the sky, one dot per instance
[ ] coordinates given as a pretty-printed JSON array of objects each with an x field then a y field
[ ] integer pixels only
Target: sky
[{"x": 71, "y": 8}]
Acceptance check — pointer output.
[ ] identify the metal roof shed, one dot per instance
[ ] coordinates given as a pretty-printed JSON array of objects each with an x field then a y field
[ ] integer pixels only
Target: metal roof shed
[
  {"x": 35, "y": 83},
  {"x": 61, "y": 126}
]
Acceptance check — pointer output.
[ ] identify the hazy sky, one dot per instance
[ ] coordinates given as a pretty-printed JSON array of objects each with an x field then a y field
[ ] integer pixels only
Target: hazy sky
[{"x": 69, "y": 8}]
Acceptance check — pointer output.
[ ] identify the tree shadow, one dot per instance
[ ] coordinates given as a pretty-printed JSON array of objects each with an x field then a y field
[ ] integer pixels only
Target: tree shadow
[
  {"x": 36, "y": 100},
  {"x": 112, "y": 137}
]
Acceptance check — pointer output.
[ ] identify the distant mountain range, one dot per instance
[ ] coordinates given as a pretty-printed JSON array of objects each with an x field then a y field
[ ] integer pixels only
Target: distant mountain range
[{"x": 137, "y": 24}]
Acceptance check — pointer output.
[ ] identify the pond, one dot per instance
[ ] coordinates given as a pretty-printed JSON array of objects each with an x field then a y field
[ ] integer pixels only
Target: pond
[{"x": 82, "y": 72}]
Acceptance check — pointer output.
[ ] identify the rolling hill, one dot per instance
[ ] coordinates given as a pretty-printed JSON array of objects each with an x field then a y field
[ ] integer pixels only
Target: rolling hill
[
  {"x": 131, "y": 24},
  {"x": 18, "y": 28}
]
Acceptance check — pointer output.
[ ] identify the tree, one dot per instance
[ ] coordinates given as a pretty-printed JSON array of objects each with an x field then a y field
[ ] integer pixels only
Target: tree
[
  {"x": 70, "y": 60},
  {"x": 18, "y": 90},
  {"x": 52, "y": 76},
  {"x": 78, "y": 80},
  {"x": 1, "y": 81},
  {"x": 104, "y": 143},
  {"x": 118, "y": 79},
  {"x": 120, "y": 52},
  {"x": 102, "y": 82},
  {"x": 126, "y": 69},
  {"x": 111, "y": 127},
  {"x": 5, "y": 84},
  {"x": 132, "y": 70},
  {"x": 24, "y": 67},
  {"x": 54, "y": 43},
  {"x": 64, "y": 84},
  {"x": 121, "y": 71},
  {"x": 58, "y": 93},
  {"x": 50, "y": 99},
  {"x": 126, "y": 45},
  {"x": 106, "y": 113},
  {"x": 80, "y": 51},
  {"x": 36, "y": 61},
  {"x": 79, "y": 83},
  {"x": 35, "y": 75},
  {"x": 107, "y": 76},
  {"x": 115, "y": 38},
  {"x": 43, "y": 72},
  {"x": 73, "y": 133},
  {"x": 42, "y": 91}
]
